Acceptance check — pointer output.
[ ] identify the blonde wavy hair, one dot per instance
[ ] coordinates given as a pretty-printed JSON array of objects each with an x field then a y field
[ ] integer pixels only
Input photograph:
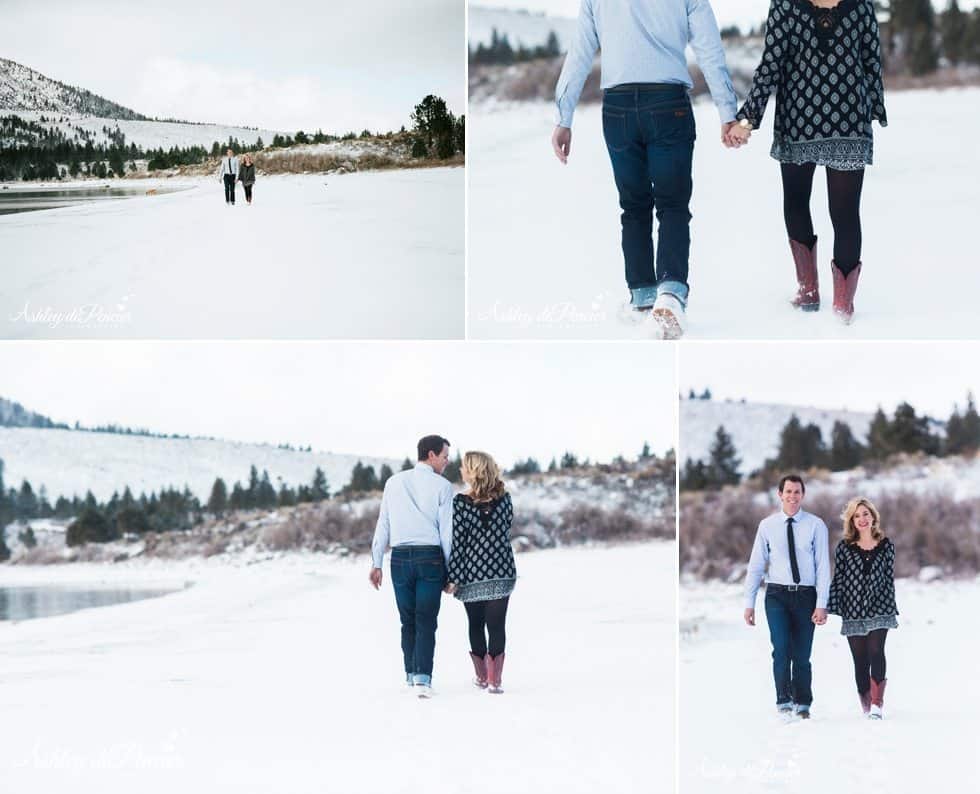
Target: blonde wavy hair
[
  {"x": 851, "y": 533},
  {"x": 482, "y": 474}
]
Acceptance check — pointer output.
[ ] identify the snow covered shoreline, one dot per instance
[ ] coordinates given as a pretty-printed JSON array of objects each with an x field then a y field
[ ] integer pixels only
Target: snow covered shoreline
[{"x": 287, "y": 676}]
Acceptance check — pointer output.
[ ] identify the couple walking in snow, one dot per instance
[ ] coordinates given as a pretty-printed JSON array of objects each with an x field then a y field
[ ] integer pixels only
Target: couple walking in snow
[
  {"x": 791, "y": 552},
  {"x": 232, "y": 171},
  {"x": 441, "y": 543},
  {"x": 823, "y": 60}
]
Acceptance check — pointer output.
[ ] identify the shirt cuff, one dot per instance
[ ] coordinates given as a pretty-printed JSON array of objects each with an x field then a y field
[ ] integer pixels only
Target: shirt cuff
[{"x": 726, "y": 111}]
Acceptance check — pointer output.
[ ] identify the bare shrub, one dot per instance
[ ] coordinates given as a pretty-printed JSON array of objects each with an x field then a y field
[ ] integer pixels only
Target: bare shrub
[
  {"x": 717, "y": 529},
  {"x": 584, "y": 522}
]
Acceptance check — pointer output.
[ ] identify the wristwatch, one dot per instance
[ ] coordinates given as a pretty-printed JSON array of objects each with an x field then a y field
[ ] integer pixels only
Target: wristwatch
[{"x": 745, "y": 124}]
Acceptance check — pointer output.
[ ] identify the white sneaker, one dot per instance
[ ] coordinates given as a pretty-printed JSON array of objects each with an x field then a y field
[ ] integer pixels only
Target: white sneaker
[
  {"x": 668, "y": 313},
  {"x": 875, "y": 713},
  {"x": 423, "y": 691}
]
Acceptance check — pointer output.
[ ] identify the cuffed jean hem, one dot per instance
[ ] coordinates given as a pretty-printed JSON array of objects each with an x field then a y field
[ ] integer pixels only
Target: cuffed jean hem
[
  {"x": 643, "y": 297},
  {"x": 409, "y": 678},
  {"x": 422, "y": 678},
  {"x": 676, "y": 288},
  {"x": 801, "y": 707}
]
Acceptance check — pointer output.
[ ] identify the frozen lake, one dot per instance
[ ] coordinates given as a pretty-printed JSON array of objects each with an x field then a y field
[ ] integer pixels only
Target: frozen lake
[{"x": 27, "y": 603}]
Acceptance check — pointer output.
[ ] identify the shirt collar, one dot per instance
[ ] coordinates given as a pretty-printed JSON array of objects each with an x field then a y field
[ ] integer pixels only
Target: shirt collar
[
  {"x": 796, "y": 518},
  {"x": 421, "y": 465}
]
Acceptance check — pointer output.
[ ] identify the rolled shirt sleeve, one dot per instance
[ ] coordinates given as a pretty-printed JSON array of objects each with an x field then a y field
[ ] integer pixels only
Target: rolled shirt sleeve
[
  {"x": 446, "y": 521},
  {"x": 382, "y": 533},
  {"x": 821, "y": 556}
]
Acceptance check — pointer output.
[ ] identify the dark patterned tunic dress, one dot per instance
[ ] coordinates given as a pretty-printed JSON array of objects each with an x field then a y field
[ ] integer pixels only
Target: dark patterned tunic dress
[
  {"x": 825, "y": 66},
  {"x": 863, "y": 588},
  {"x": 482, "y": 560}
]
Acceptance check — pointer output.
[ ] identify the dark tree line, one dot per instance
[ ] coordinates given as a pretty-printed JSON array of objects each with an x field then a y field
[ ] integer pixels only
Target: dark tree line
[
  {"x": 501, "y": 52},
  {"x": 802, "y": 447},
  {"x": 436, "y": 131}
]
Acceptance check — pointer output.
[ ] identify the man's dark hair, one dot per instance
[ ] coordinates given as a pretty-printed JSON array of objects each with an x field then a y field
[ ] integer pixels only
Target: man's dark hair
[
  {"x": 791, "y": 478},
  {"x": 429, "y": 444}
]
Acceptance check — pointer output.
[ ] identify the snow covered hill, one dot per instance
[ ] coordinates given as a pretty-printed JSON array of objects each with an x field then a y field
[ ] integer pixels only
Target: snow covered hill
[
  {"x": 68, "y": 462},
  {"x": 13, "y": 414},
  {"x": 754, "y": 427},
  {"x": 521, "y": 27},
  {"x": 22, "y": 88},
  {"x": 144, "y": 133}
]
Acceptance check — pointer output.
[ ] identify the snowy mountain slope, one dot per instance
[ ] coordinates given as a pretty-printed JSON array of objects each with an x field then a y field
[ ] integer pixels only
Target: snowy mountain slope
[
  {"x": 146, "y": 134},
  {"x": 22, "y": 88},
  {"x": 754, "y": 427},
  {"x": 68, "y": 462},
  {"x": 520, "y": 27},
  {"x": 13, "y": 414}
]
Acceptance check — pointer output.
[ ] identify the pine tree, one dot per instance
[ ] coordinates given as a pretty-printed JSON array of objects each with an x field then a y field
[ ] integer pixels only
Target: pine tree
[
  {"x": 529, "y": 466},
  {"x": 287, "y": 496},
  {"x": 27, "y": 505},
  {"x": 569, "y": 461},
  {"x": 910, "y": 433},
  {"x": 723, "y": 462},
  {"x": 90, "y": 527},
  {"x": 963, "y": 430},
  {"x": 27, "y": 537},
  {"x": 454, "y": 470},
  {"x": 218, "y": 502},
  {"x": 694, "y": 476},
  {"x": 384, "y": 475},
  {"x": 266, "y": 495},
  {"x": 880, "y": 444},
  {"x": 845, "y": 450},
  {"x": 407, "y": 464},
  {"x": 645, "y": 452},
  {"x": 320, "y": 489}
]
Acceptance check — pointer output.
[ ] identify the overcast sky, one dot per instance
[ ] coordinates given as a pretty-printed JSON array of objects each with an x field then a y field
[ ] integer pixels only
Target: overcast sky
[
  {"x": 859, "y": 376},
  {"x": 512, "y": 400},
  {"x": 286, "y": 65},
  {"x": 745, "y": 13}
]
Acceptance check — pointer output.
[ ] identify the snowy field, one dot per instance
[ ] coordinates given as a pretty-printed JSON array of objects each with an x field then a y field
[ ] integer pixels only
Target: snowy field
[
  {"x": 69, "y": 462},
  {"x": 732, "y": 741},
  {"x": 286, "y": 676},
  {"x": 366, "y": 255},
  {"x": 545, "y": 257}
]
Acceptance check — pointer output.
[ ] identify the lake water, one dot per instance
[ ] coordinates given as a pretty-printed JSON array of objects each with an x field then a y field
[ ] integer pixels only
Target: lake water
[
  {"x": 26, "y": 603},
  {"x": 30, "y": 200}
]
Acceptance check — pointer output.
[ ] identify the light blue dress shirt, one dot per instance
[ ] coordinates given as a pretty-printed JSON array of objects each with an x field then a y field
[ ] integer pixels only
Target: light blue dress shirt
[
  {"x": 416, "y": 510},
  {"x": 643, "y": 41},
  {"x": 770, "y": 548},
  {"x": 229, "y": 166}
]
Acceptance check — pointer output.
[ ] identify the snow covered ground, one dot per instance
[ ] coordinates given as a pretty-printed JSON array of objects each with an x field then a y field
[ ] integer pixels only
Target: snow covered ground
[
  {"x": 69, "y": 462},
  {"x": 286, "y": 676},
  {"x": 732, "y": 741},
  {"x": 544, "y": 244},
  {"x": 365, "y": 255}
]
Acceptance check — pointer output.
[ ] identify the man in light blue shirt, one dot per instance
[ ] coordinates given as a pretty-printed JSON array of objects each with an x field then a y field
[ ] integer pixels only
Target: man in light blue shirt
[
  {"x": 416, "y": 520},
  {"x": 229, "y": 173},
  {"x": 793, "y": 545},
  {"x": 648, "y": 125}
]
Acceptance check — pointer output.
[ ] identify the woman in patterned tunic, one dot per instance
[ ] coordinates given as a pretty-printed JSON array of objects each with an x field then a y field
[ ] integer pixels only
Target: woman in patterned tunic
[
  {"x": 482, "y": 572},
  {"x": 824, "y": 62},
  {"x": 863, "y": 594}
]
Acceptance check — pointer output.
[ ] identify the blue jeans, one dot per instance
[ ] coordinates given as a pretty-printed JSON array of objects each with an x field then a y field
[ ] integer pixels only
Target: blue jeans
[
  {"x": 418, "y": 574},
  {"x": 649, "y": 132},
  {"x": 789, "y": 614}
]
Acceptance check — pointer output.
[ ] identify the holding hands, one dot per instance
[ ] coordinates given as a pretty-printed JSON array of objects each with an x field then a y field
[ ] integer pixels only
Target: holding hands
[{"x": 734, "y": 135}]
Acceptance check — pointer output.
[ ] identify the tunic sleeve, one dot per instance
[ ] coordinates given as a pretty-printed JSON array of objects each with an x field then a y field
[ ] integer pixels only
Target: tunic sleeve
[
  {"x": 871, "y": 60},
  {"x": 457, "y": 560},
  {"x": 767, "y": 75}
]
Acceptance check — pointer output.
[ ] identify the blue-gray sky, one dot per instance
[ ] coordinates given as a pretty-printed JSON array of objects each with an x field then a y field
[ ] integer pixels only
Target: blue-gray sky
[
  {"x": 598, "y": 400},
  {"x": 288, "y": 65}
]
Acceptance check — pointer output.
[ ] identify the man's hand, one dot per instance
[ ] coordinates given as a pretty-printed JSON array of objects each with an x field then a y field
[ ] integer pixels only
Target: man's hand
[
  {"x": 749, "y": 616},
  {"x": 561, "y": 142},
  {"x": 725, "y": 128},
  {"x": 738, "y": 135},
  {"x": 449, "y": 588},
  {"x": 375, "y": 578},
  {"x": 819, "y": 616}
]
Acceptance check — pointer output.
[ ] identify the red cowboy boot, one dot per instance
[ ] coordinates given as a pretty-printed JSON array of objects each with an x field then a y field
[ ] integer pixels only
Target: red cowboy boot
[
  {"x": 495, "y": 667},
  {"x": 480, "y": 669},
  {"x": 877, "y": 698},
  {"x": 865, "y": 702},
  {"x": 808, "y": 282},
  {"x": 844, "y": 289}
]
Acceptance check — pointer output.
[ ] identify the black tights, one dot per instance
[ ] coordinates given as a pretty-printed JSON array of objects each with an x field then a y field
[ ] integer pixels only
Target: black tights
[
  {"x": 844, "y": 196},
  {"x": 868, "y": 652},
  {"x": 487, "y": 617}
]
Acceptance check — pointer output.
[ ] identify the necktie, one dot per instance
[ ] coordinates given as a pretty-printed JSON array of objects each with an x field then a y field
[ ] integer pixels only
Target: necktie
[{"x": 792, "y": 551}]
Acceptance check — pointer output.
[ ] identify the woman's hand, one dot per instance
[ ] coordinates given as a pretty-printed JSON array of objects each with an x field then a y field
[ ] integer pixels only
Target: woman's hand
[
  {"x": 449, "y": 588},
  {"x": 738, "y": 135}
]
